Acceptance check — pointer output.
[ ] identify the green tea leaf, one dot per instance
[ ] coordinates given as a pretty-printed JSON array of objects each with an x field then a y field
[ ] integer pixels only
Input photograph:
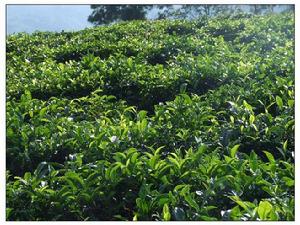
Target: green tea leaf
[
  {"x": 234, "y": 150},
  {"x": 247, "y": 106},
  {"x": 291, "y": 103},
  {"x": 279, "y": 102},
  {"x": 191, "y": 201},
  {"x": 129, "y": 61},
  {"x": 288, "y": 181},
  {"x": 251, "y": 119},
  {"x": 264, "y": 209},
  {"x": 60, "y": 128},
  {"x": 285, "y": 145},
  {"x": 135, "y": 218},
  {"x": 75, "y": 178},
  {"x": 269, "y": 156},
  {"x": 166, "y": 213},
  {"x": 43, "y": 112},
  {"x": 8, "y": 213}
]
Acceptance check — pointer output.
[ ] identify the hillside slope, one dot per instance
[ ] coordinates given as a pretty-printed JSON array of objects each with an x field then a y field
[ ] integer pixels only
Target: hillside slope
[{"x": 153, "y": 120}]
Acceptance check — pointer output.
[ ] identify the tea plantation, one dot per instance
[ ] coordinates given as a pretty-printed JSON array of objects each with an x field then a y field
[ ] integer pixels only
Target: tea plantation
[{"x": 153, "y": 120}]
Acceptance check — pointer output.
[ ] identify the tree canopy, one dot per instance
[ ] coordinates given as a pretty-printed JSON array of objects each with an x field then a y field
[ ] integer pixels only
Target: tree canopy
[{"x": 105, "y": 14}]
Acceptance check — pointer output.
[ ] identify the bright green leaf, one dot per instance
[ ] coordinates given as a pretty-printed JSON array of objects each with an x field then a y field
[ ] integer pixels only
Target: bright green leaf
[
  {"x": 279, "y": 102},
  {"x": 264, "y": 209},
  {"x": 234, "y": 150}
]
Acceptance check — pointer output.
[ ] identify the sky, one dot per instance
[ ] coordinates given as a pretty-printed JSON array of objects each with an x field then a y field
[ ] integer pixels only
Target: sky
[{"x": 30, "y": 18}]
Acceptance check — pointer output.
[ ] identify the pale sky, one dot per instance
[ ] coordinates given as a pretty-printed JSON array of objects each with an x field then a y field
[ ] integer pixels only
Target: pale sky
[{"x": 30, "y": 18}]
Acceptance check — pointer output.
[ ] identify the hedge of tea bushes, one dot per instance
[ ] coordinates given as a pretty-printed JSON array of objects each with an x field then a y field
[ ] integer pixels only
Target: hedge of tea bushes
[{"x": 153, "y": 120}]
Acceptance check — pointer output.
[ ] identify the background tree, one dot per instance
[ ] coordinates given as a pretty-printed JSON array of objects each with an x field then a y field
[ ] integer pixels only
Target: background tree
[
  {"x": 194, "y": 11},
  {"x": 271, "y": 8},
  {"x": 105, "y": 14},
  {"x": 260, "y": 9},
  {"x": 290, "y": 7}
]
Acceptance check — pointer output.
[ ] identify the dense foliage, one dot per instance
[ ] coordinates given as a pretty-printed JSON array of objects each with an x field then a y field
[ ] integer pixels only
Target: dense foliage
[{"x": 153, "y": 120}]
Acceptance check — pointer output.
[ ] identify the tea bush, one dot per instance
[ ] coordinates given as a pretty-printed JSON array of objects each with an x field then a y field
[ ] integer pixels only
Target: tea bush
[{"x": 153, "y": 120}]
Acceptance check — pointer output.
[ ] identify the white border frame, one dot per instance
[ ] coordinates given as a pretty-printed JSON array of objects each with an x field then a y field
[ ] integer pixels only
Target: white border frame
[{"x": 62, "y": 2}]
